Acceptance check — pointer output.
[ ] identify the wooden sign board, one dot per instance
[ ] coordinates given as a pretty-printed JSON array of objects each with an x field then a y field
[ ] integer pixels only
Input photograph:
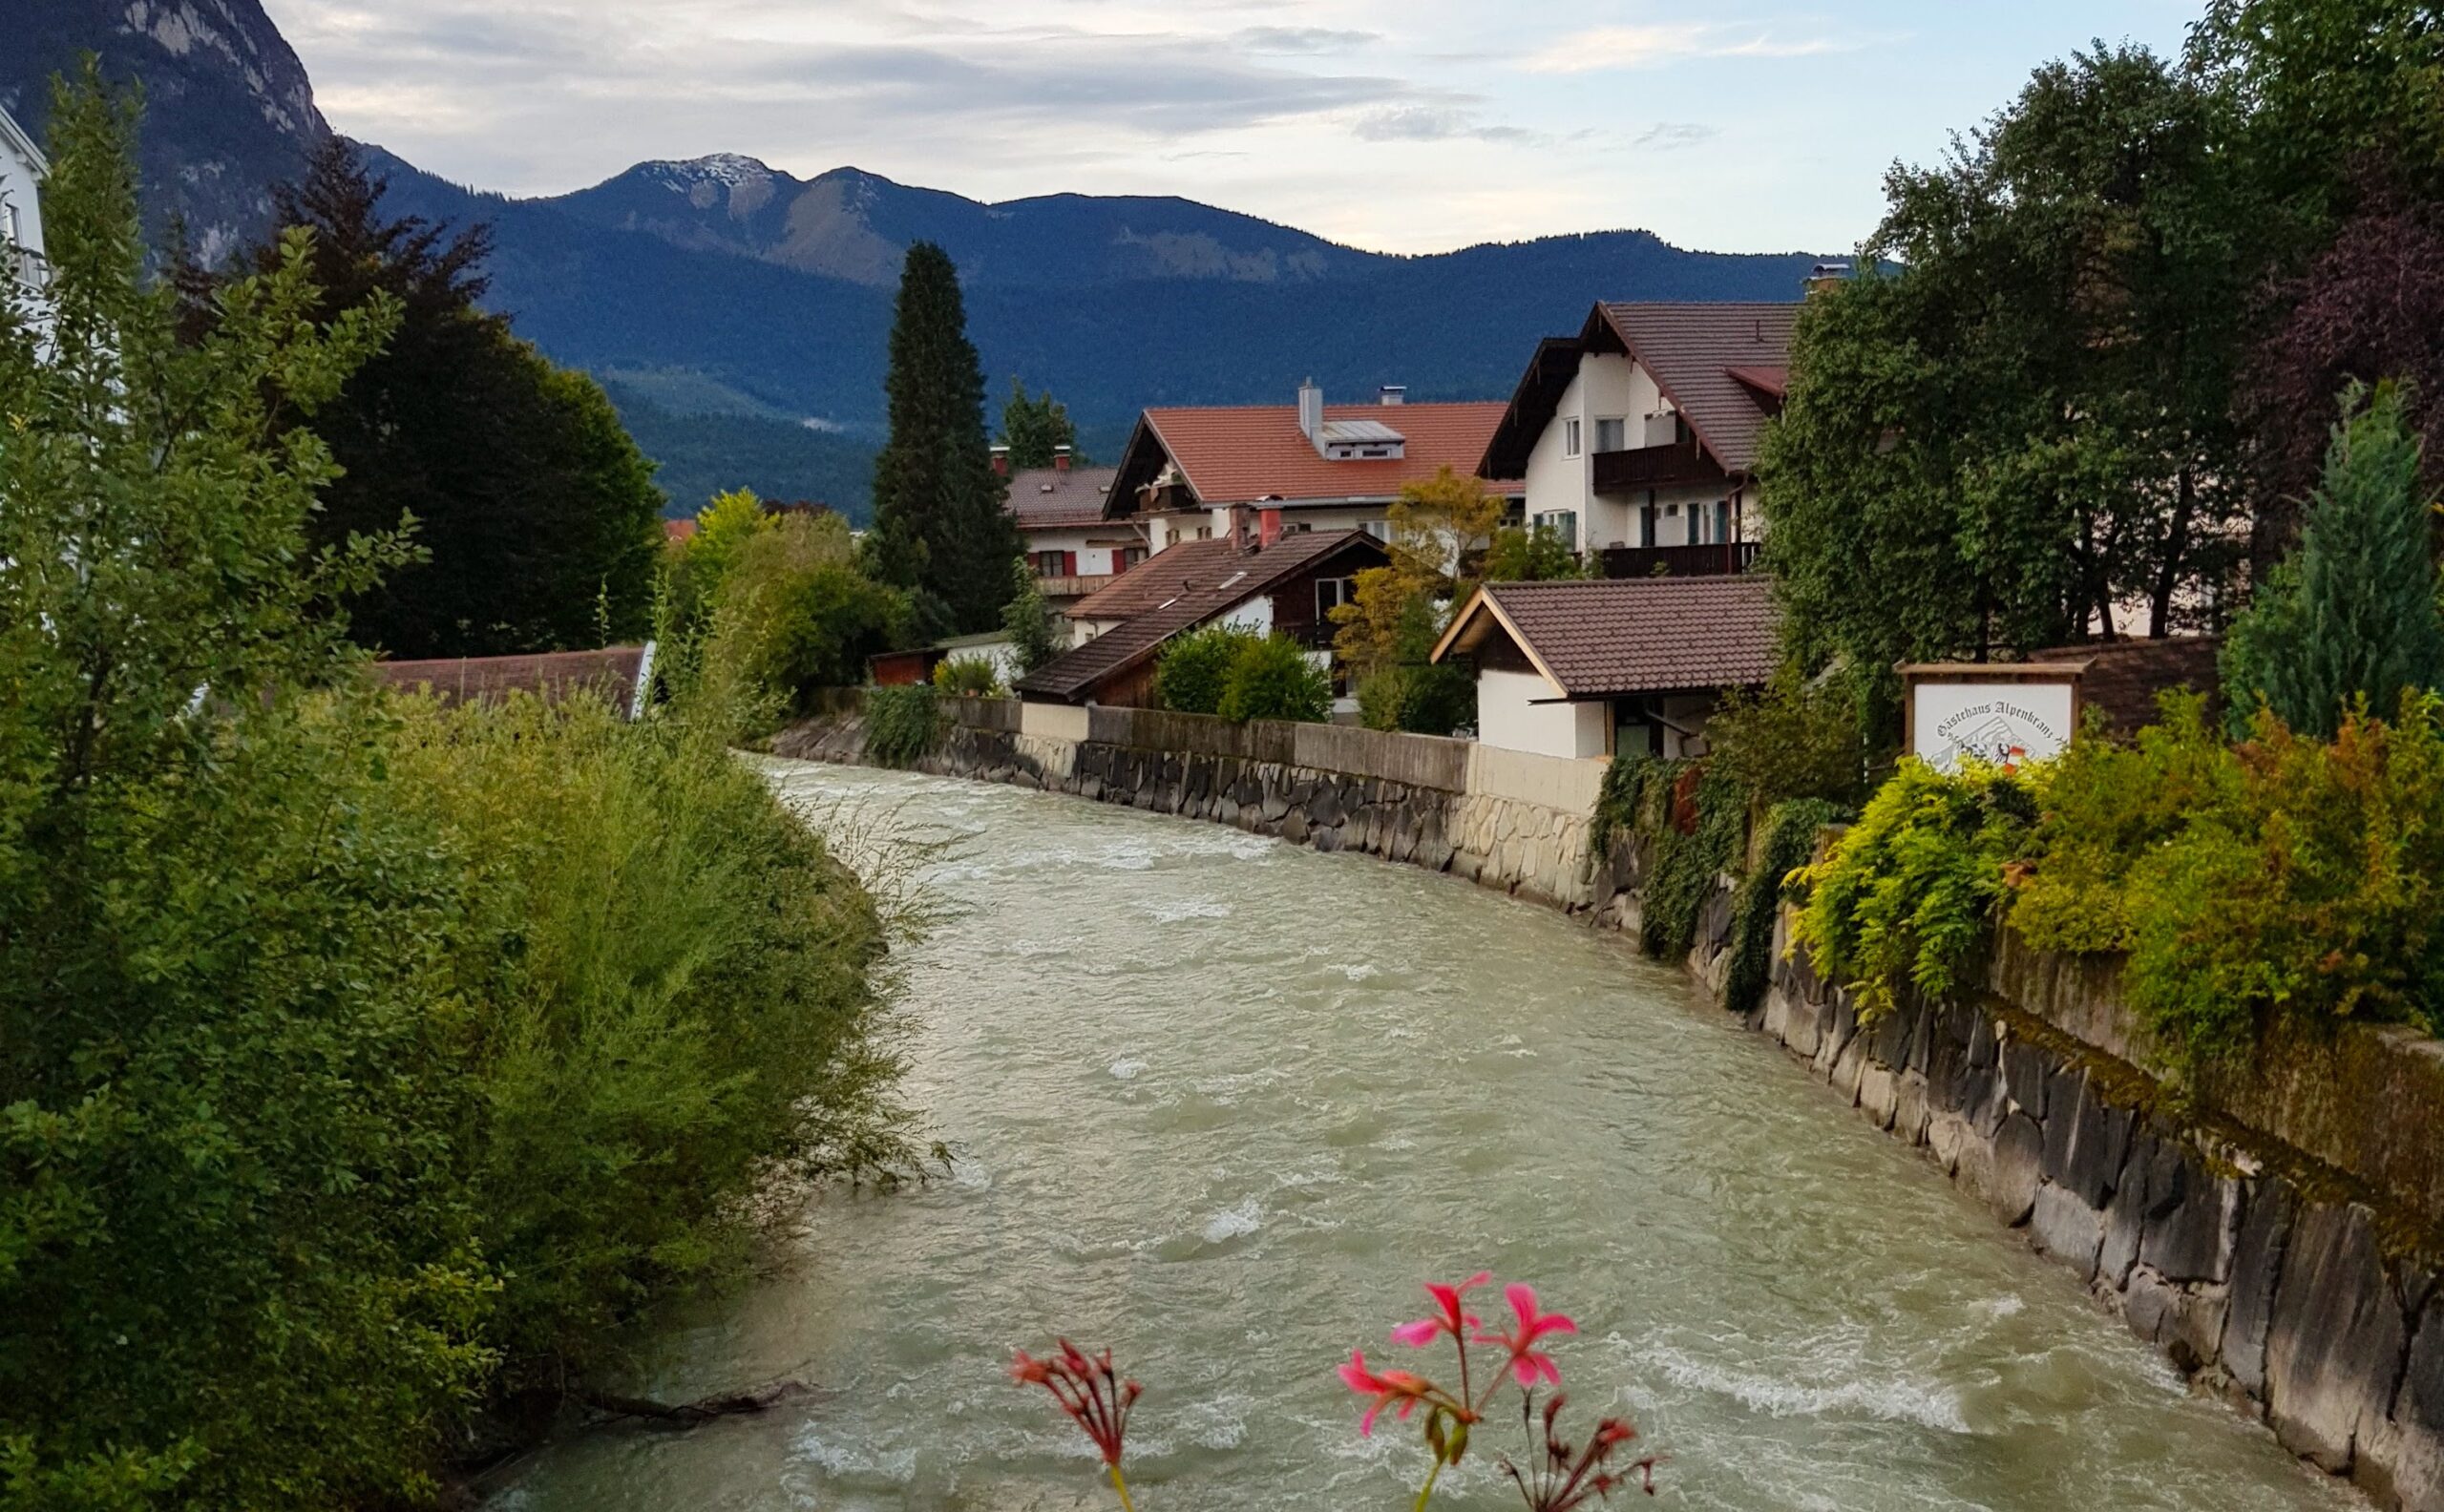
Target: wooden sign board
[{"x": 2004, "y": 714}]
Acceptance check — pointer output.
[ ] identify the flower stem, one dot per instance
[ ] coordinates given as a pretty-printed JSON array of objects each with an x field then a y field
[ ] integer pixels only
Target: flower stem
[
  {"x": 1428, "y": 1490},
  {"x": 1122, "y": 1487}
]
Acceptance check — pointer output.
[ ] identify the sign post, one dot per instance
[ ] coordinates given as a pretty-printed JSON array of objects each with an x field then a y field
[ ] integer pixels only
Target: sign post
[{"x": 2002, "y": 713}]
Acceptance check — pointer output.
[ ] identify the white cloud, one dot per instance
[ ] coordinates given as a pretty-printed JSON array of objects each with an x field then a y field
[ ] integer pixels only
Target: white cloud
[
  {"x": 1666, "y": 135},
  {"x": 1652, "y": 45}
]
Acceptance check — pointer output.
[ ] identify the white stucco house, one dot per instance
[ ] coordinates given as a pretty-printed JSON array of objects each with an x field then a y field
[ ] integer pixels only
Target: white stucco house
[
  {"x": 1060, "y": 510},
  {"x": 1605, "y": 667},
  {"x": 23, "y": 268},
  {"x": 1638, "y": 435}
]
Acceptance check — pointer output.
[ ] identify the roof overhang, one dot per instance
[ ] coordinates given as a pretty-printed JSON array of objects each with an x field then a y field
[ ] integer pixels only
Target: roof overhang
[
  {"x": 22, "y": 142},
  {"x": 1482, "y": 616}
]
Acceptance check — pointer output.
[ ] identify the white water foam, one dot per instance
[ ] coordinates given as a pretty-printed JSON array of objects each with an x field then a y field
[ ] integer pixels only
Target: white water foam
[
  {"x": 1892, "y": 1399},
  {"x": 1126, "y": 1070},
  {"x": 1232, "y": 1223},
  {"x": 1172, "y": 911}
]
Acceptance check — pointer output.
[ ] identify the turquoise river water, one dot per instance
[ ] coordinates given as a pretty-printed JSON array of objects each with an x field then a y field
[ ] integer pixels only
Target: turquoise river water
[{"x": 1221, "y": 1104}]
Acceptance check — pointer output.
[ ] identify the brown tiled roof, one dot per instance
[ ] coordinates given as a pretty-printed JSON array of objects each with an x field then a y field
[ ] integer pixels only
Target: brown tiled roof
[
  {"x": 1619, "y": 636},
  {"x": 1047, "y": 499},
  {"x": 1166, "y": 575},
  {"x": 1693, "y": 349},
  {"x": 1721, "y": 365},
  {"x": 2123, "y": 676},
  {"x": 611, "y": 672},
  {"x": 1076, "y": 674},
  {"x": 1246, "y": 453}
]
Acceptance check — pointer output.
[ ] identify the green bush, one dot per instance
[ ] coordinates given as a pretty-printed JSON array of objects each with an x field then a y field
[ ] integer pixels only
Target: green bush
[
  {"x": 1790, "y": 740},
  {"x": 1911, "y": 890},
  {"x": 968, "y": 677},
  {"x": 1034, "y": 638},
  {"x": 902, "y": 723},
  {"x": 1428, "y": 699},
  {"x": 672, "y": 970},
  {"x": 1192, "y": 670},
  {"x": 1538, "y": 555},
  {"x": 1782, "y": 850},
  {"x": 1636, "y": 798},
  {"x": 1684, "y": 865},
  {"x": 2314, "y": 892},
  {"x": 795, "y": 612},
  {"x": 1273, "y": 679},
  {"x": 2105, "y": 807}
]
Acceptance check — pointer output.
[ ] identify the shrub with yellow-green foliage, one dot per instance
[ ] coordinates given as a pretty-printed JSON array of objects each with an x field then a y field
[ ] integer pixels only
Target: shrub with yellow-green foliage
[{"x": 1909, "y": 890}]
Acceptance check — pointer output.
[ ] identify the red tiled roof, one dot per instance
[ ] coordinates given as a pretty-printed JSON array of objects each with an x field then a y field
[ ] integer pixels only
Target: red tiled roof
[
  {"x": 611, "y": 672},
  {"x": 678, "y": 529},
  {"x": 1693, "y": 351},
  {"x": 1770, "y": 379},
  {"x": 1049, "y": 498},
  {"x": 1073, "y": 676},
  {"x": 1166, "y": 575},
  {"x": 1241, "y": 455},
  {"x": 1612, "y": 637}
]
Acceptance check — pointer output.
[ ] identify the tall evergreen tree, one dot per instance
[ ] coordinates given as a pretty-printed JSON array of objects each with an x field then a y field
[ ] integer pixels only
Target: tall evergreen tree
[
  {"x": 535, "y": 513},
  {"x": 940, "y": 527},
  {"x": 1032, "y": 427},
  {"x": 2353, "y": 614}
]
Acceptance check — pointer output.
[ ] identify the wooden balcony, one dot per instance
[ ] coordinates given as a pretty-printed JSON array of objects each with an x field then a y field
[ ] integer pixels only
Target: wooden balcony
[
  {"x": 1681, "y": 464},
  {"x": 1679, "y": 561}
]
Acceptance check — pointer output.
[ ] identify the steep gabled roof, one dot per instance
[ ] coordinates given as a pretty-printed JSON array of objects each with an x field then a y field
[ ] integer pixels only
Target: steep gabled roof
[
  {"x": 1047, "y": 499},
  {"x": 1723, "y": 367},
  {"x": 1073, "y": 676},
  {"x": 1247, "y": 453},
  {"x": 22, "y": 142},
  {"x": 1613, "y": 636}
]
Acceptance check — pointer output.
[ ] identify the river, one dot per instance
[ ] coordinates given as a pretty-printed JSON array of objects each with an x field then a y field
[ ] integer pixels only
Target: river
[{"x": 1221, "y": 1104}]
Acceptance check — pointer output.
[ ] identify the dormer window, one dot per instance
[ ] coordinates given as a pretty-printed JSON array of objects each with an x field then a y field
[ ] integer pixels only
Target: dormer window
[{"x": 1360, "y": 440}]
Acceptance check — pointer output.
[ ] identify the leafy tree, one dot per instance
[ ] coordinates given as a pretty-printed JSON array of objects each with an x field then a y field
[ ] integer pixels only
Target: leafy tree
[
  {"x": 2026, "y": 422},
  {"x": 1032, "y": 427},
  {"x": 1028, "y": 619},
  {"x": 1194, "y": 668},
  {"x": 532, "y": 510},
  {"x": 234, "y": 1268},
  {"x": 1441, "y": 527},
  {"x": 940, "y": 528},
  {"x": 2353, "y": 615},
  {"x": 793, "y": 611},
  {"x": 2368, "y": 307},
  {"x": 1537, "y": 554},
  {"x": 1272, "y": 677}
]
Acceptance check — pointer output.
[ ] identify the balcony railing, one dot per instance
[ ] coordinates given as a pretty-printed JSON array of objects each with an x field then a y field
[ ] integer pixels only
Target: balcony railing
[
  {"x": 1679, "y": 561},
  {"x": 1643, "y": 468}
]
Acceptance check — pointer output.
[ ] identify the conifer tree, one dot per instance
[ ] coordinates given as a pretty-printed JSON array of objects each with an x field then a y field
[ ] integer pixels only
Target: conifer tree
[
  {"x": 940, "y": 527},
  {"x": 2353, "y": 612},
  {"x": 1028, "y": 619},
  {"x": 1032, "y": 427}
]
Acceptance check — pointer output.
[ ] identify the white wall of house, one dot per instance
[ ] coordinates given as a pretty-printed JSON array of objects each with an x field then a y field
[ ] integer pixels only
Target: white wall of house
[
  {"x": 1097, "y": 554},
  {"x": 1509, "y": 714},
  {"x": 1611, "y": 387},
  {"x": 1256, "y": 614},
  {"x": 20, "y": 204}
]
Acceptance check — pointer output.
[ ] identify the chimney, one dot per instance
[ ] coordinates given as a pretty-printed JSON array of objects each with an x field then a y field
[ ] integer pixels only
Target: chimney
[
  {"x": 1392, "y": 394},
  {"x": 1000, "y": 461},
  {"x": 1311, "y": 413},
  {"x": 1060, "y": 459},
  {"x": 1824, "y": 275},
  {"x": 1268, "y": 525}
]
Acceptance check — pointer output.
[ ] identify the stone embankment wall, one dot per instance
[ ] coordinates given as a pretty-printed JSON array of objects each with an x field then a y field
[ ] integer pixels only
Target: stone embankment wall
[
  {"x": 2301, "y": 1289},
  {"x": 2277, "y": 1235},
  {"x": 1502, "y": 819}
]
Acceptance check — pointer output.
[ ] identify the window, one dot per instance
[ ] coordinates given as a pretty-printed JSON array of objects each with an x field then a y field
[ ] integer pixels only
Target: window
[
  {"x": 1296, "y": 527},
  {"x": 1569, "y": 437},
  {"x": 1331, "y": 593},
  {"x": 10, "y": 233},
  {"x": 1051, "y": 564},
  {"x": 1612, "y": 434},
  {"x": 1205, "y": 532},
  {"x": 1381, "y": 530},
  {"x": 1563, "y": 523},
  {"x": 1132, "y": 556}
]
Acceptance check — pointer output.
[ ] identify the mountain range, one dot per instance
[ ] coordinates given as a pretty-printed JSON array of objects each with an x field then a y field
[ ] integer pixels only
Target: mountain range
[{"x": 739, "y": 314}]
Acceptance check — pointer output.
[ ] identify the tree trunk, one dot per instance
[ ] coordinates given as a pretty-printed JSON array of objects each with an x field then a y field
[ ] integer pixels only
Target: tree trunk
[{"x": 2159, "y": 620}]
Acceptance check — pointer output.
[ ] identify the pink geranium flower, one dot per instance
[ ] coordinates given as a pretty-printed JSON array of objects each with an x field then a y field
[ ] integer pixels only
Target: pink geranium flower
[
  {"x": 1388, "y": 1388},
  {"x": 1451, "y": 1319},
  {"x": 1527, "y": 1363}
]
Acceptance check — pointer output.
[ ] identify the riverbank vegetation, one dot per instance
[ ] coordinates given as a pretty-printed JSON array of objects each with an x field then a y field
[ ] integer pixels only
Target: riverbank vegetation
[{"x": 363, "y": 1062}]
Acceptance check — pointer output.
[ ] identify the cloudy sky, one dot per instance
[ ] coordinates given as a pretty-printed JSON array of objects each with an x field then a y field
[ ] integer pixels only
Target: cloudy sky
[{"x": 1400, "y": 125}]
